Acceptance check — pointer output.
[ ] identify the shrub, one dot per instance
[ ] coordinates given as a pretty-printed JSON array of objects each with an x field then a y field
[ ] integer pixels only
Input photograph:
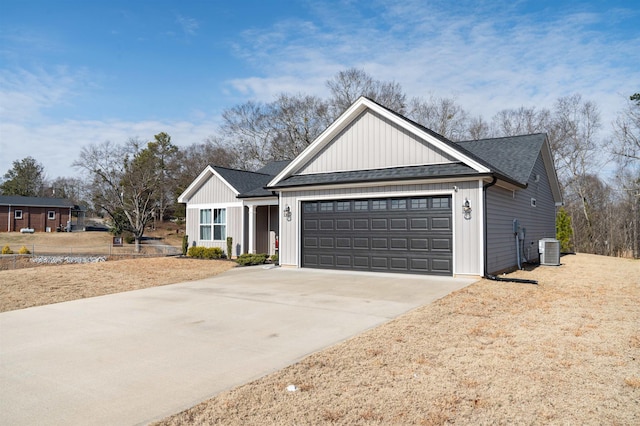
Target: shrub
[
  {"x": 248, "y": 259},
  {"x": 205, "y": 252},
  {"x": 128, "y": 238},
  {"x": 7, "y": 250},
  {"x": 274, "y": 258},
  {"x": 229, "y": 247},
  {"x": 24, "y": 250},
  {"x": 185, "y": 244}
]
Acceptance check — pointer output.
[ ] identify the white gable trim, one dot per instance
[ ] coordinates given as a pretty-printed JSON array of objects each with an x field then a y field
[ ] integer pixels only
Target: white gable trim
[
  {"x": 352, "y": 113},
  {"x": 200, "y": 180},
  {"x": 547, "y": 158}
]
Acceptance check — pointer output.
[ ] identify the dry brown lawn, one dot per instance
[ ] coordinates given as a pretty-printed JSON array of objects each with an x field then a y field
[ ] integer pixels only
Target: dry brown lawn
[
  {"x": 566, "y": 351},
  {"x": 23, "y": 288}
]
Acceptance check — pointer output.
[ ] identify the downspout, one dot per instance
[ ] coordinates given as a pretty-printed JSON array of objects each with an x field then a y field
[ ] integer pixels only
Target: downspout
[
  {"x": 486, "y": 262},
  {"x": 9, "y": 220},
  {"x": 484, "y": 213}
]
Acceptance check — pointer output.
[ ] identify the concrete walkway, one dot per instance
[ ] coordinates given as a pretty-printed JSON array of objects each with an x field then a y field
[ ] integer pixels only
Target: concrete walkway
[{"x": 135, "y": 357}]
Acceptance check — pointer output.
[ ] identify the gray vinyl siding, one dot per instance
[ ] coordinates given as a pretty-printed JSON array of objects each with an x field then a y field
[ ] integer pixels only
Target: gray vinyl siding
[
  {"x": 234, "y": 227},
  {"x": 503, "y": 206},
  {"x": 372, "y": 142},
  {"x": 213, "y": 190},
  {"x": 467, "y": 233},
  {"x": 214, "y": 193}
]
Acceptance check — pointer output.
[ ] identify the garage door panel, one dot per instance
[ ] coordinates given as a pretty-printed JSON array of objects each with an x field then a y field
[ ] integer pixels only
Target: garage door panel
[
  {"x": 361, "y": 262},
  {"x": 399, "y": 264},
  {"x": 419, "y": 224},
  {"x": 361, "y": 224},
  {"x": 310, "y": 224},
  {"x": 398, "y": 224},
  {"x": 379, "y": 243},
  {"x": 361, "y": 243},
  {"x": 343, "y": 224},
  {"x": 326, "y": 225},
  {"x": 441, "y": 244},
  {"x": 399, "y": 244},
  {"x": 379, "y": 224},
  {"x": 419, "y": 244},
  {"x": 379, "y": 262},
  {"x": 411, "y": 234},
  {"x": 343, "y": 243},
  {"x": 441, "y": 223},
  {"x": 326, "y": 242}
]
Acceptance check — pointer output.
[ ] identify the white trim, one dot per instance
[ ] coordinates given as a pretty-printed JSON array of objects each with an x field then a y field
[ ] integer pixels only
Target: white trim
[
  {"x": 481, "y": 227},
  {"x": 377, "y": 184},
  {"x": 258, "y": 202},
  {"x": 351, "y": 114},
  {"x": 377, "y": 168},
  {"x": 427, "y": 193},
  {"x": 49, "y": 215},
  {"x": 200, "y": 180},
  {"x": 15, "y": 214},
  {"x": 213, "y": 205}
]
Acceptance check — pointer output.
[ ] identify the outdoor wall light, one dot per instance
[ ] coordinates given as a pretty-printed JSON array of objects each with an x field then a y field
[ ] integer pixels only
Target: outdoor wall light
[
  {"x": 466, "y": 209},
  {"x": 287, "y": 212}
]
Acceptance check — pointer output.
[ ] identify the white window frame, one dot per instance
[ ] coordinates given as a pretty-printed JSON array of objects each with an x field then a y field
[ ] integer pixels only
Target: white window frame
[
  {"x": 534, "y": 203},
  {"x": 219, "y": 221},
  {"x": 51, "y": 215},
  {"x": 18, "y": 214},
  {"x": 204, "y": 225},
  {"x": 217, "y": 224}
]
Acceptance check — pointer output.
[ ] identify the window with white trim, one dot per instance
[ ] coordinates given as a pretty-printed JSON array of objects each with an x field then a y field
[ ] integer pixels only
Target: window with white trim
[
  {"x": 533, "y": 202},
  {"x": 18, "y": 214},
  {"x": 213, "y": 224},
  {"x": 51, "y": 215},
  {"x": 205, "y": 224},
  {"x": 219, "y": 224}
]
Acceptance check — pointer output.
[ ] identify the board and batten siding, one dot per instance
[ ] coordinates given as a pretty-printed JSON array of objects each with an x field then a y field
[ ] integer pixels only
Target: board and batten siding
[
  {"x": 234, "y": 227},
  {"x": 467, "y": 250},
  {"x": 503, "y": 206},
  {"x": 373, "y": 142},
  {"x": 214, "y": 189}
]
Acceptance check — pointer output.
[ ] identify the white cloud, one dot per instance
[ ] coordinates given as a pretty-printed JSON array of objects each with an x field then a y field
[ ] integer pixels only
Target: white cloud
[
  {"x": 188, "y": 25},
  {"x": 488, "y": 59}
]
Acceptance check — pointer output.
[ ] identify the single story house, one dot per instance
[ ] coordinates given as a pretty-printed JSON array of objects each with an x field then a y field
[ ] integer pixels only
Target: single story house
[
  {"x": 41, "y": 214},
  {"x": 379, "y": 192}
]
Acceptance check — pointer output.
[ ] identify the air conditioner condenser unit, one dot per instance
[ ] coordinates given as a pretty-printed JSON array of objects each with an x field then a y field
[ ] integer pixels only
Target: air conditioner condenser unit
[{"x": 549, "y": 249}]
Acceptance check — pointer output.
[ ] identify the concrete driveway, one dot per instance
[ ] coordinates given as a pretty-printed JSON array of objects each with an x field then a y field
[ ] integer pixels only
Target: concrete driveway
[{"x": 135, "y": 357}]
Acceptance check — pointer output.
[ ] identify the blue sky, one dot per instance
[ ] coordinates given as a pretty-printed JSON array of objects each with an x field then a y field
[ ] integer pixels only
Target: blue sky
[{"x": 73, "y": 73}]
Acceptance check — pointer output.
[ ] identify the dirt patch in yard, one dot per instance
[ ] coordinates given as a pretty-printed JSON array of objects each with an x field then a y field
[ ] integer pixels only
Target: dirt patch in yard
[
  {"x": 566, "y": 351},
  {"x": 23, "y": 288}
]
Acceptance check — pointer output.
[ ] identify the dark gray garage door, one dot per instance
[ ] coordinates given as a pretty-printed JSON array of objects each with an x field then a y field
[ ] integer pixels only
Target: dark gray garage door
[{"x": 412, "y": 235}]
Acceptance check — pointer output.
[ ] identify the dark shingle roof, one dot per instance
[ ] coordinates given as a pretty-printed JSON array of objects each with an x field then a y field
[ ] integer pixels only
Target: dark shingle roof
[
  {"x": 514, "y": 156},
  {"x": 18, "y": 200},
  {"x": 389, "y": 174},
  {"x": 251, "y": 184},
  {"x": 274, "y": 167},
  {"x": 241, "y": 180}
]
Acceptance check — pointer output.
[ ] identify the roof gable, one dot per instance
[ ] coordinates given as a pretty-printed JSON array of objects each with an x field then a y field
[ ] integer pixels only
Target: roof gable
[
  {"x": 515, "y": 156},
  {"x": 445, "y": 150},
  {"x": 371, "y": 141}
]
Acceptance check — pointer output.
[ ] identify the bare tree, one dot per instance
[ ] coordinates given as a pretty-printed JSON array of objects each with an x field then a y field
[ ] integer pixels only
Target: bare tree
[
  {"x": 298, "y": 121},
  {"x": 348, "y": 85},
  {"x": 522, "y": 121},
  {"x": 248, "y": 131},
  {"x": 442, "y": 115},
  {"x": 577, "y": 155},
  {"x": 124, "y": 182}
]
